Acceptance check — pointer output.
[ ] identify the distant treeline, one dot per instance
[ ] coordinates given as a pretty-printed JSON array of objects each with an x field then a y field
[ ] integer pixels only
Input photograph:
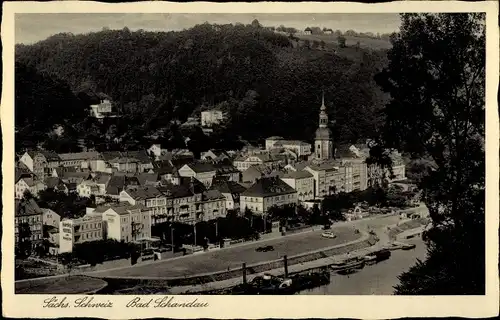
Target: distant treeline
[{"x": 156, "y": 80}]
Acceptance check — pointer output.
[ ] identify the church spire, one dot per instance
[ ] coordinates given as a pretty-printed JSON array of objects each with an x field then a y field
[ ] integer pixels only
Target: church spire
[
  {"x": 323, "y": 116},
  {"x": 323, "y": 107}
]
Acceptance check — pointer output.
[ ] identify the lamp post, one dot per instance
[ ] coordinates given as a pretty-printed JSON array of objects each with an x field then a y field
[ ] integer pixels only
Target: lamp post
[
  {"x": 172, "y": 238},
  {"x": 216, "y": 228},
  {"x": 194, "y": 229}
]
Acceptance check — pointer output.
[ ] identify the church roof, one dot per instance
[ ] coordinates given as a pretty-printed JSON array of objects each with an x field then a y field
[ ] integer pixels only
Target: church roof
[{"x": 323, "y": 134}]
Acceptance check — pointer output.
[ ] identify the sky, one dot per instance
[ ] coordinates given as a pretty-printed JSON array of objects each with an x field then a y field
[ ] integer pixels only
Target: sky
[{"x": 33, "y": 27}]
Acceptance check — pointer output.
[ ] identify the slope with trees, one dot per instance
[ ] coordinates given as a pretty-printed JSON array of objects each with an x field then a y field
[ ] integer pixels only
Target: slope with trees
[{"x": 158, "y": 79}]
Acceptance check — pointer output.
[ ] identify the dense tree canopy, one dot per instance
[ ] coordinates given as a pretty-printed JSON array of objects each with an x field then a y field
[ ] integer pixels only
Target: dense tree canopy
[
  {"x": 157, "y": 78},
  {"x": 436, "y": 79}
]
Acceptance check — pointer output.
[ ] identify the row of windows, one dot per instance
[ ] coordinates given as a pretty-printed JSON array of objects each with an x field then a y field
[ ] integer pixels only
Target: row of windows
[
  {"x": 29, "y": 219},
  {"x": 91, "y": 235},
  {"x": 91, "y": 225},
  {"x": 72, "y": 162}
]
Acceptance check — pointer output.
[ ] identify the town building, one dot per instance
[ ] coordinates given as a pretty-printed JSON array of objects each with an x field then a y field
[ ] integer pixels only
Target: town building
[
  {"x": 125, "y": 222},
  {"x": 227, "y": 170},
  {"x": 214, "y": 155},
  {"x": 156, "y": 151},
  {"x": 213, "y": 205},
  {"x": 40, "y": 162},
  {"x": 300, "y": 148},
  {"x": 231, "y": 191},
  {"x": 398, "y": 167},
  {"x": 50, "y": 218},
  {"x": 102, "y": 110},
  {"x": 242, "y": 163},
  {"x": 79, "y": 159},
  {"x": 323, "y": 140},
  {"x": 88, "y": 188},
  {"x": 256, "y": 172},
  {"x": 184, "y": 201},
  {"x": 307, "y": 31},
  {"x": 328, "y": 178},
  {"x": 202, "y": 171},
  {"x": 211, "y": 117},
  {"x": 118, "y": 183},
  {"x": 166, "y": 171},
  {"x": 56, "y": 184},
  {"x": 28, "y": 184},
  {"x": 302, "y": 182},
  {"x": 266, "y": 193},
  {"x": 150, "y": 197},
  {"x": 75, "y": 231},
  {"x": 29, "y": 213}
]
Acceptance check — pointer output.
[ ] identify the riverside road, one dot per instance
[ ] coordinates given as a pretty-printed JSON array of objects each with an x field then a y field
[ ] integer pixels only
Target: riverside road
[{"x": 233, "y": 257}]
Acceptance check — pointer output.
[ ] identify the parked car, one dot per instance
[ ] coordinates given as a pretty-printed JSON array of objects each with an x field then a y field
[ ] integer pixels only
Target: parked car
[
  {"x": 409, "y": 246},
  {"x": 329, "y": 234},
  {"x": 265, "y": 249},
  {"x": 147, "y": 254}
]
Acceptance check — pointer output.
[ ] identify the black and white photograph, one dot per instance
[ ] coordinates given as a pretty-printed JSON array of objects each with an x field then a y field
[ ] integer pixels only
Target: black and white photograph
[{"x": 162, "y": 155}]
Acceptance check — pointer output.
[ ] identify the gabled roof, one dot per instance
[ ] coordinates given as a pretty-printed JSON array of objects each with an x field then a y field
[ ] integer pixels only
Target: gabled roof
[
  {"x": 195, "y": 185},
  {"x": 179, "y": 161},
  {"x": 50, "y": 156},
  {"x": 53, "y": 182},
  {"x": 141, "y": 155},
  {"x": 228, "y": 187},
  {"x": 90, "y": 155},
  {"x": 222, "y": 168},
  {"x": 108, "y": 155},
  {"x": 212, "y": 194},
  {"x": 123, "y": 160},
  {"x": 29, "y": 181},
  {"x": 121, "y": 208},
  {"x": 200, "y": 167},
  {"x": 176, "y": 191},
  {"x": 267, "y": 187},
  {"x": 264, "y": 171},
  {"x": 115, "y": 185},
  {"x": 77, "y": 174},
  {"x": 27, "y": 207},
  {"x": 144, "y": 193},
  {"x": 322, "y": 166},
  {"x": 297, "y": 175},
  {"x": 147, "y": 177},
  {"x": 102, "y": 178},
  {"x": 23, "y": 173},
  {"x": 163, "y": 167}
]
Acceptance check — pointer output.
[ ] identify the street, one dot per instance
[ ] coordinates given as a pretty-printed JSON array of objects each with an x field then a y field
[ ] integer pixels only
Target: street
[
  {"x": 378, "y": 279},
  {"x": 233, "y": 257}
]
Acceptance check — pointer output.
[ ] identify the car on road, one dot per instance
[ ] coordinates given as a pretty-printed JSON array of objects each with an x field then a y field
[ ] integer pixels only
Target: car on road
[
  {"x": 265, "y": 249},
  {"x": 329, "y": 234},
  {"x": 409, "y": 246},
  {"x": 370, "y": 259}
]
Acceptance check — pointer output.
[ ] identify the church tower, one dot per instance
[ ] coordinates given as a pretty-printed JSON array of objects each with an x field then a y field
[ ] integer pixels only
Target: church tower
[{"x": 323, "y": 145}]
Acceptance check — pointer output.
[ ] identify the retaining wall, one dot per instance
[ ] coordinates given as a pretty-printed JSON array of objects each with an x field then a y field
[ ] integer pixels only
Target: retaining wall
[{"x": 115, "y": 283}]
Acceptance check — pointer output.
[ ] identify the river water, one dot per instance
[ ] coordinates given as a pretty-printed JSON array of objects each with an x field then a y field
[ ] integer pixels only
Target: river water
[{"x": 378, "y": 279}]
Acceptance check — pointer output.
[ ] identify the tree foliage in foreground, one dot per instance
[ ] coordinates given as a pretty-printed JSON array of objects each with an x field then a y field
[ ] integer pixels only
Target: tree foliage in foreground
[{"x": 436, "y": 79}]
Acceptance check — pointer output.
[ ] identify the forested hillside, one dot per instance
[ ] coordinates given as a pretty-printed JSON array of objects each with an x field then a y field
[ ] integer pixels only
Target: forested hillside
[{"x": 267, "y": 85}]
